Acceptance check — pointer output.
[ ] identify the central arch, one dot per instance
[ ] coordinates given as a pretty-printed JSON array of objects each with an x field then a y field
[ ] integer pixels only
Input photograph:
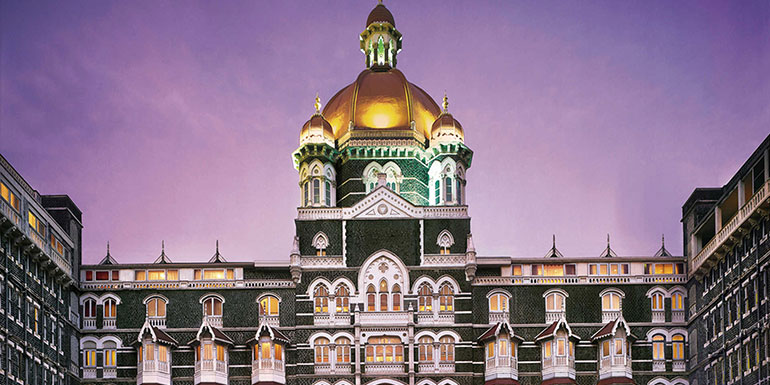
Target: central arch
[{"x": 382, "y": 271}]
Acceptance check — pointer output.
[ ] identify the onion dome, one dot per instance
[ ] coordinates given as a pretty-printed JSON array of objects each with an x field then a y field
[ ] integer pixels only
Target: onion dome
[
  {"x": 380, "y": 14},
  {"x": 317, "y": 129},
  {"x": 446, "y": 128},
  {"x": 381, "y": 104}
]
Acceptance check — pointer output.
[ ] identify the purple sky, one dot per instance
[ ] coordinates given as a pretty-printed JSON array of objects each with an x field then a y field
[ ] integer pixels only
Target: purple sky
[{"x": 176, "y": 120}]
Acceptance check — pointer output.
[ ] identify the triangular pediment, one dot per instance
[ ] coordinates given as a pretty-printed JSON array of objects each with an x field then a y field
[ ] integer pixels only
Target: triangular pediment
[{"x": 383, "y": 203}]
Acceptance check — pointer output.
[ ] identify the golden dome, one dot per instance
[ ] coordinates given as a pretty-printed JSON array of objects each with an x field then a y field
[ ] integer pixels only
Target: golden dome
[
  {"x": 316, "y": 130},
  {"x": 381, "y": 100},
  {"x": 446, "y": 128}
]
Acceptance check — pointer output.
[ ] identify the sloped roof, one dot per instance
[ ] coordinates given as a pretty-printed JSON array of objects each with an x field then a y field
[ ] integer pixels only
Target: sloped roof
[
  {"x": 216, "y": 334},
  {"x": 157, "y": 334},
  {"x": 551, "y": 330},
  {"x": 609, "y": 329},
  {"x": 496, "y": 329},
  {"x": 274, "y": 334},
  {"x": 108, "y": 259}
]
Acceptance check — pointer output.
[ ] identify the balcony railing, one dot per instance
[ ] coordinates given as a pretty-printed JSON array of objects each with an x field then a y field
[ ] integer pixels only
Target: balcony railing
[
  {"x": 399, "y": 318},
  {"x": 679, "y": 366},
  {"x": 610, "y": 315},
  {"x": 214, "y": 320},
  {"x": 501, "y": 367},
  {"x": 157, "y": 321},
  {"x": 89, "y": 372},
  {"x": 495, "y": 317},
  {"x": 658, "y": 365},
  {"x": 559, "y": 361},
  {"x": 267, "y": 370},
  {"x": 384, "y": 367},
  {"x": 109, "y": 323},
  {"x": 331, "y": 318},
  {"x": 271, "y": 320},
  {"x": 89, "y": 323},
  {"x": 432, "y": 318},
  {"x": 110, "y": 372},
  {"x": 553, "y": 316},
  {"x": 750, "y": 208},
  {"x": 332, "y": 368},
  {"x": 658, "y": 316},
  {"x": 579, "y": 280},
  {"x": 677, "y": 315}
]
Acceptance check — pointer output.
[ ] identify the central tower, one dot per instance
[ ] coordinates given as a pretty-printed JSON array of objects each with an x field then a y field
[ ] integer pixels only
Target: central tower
[{"x": 382, "y": 129}]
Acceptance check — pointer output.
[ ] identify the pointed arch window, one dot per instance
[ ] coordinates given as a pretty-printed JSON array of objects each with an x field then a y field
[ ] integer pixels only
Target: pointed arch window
[
  {"x": 342, "y": 346},
  {"x": 447, "y": 189},
  {"x": 342, "y": 299},
  {"x": 437, "y": 192},
  {"x": 321, "y": 298},
  {"x": 657, "y": 302},
  {"x": 425, "y": 349},
  {"x": 321, "y": 350},
  {"x": 370, "y": 298},
  {"x": 446, "y": 298},
  {"x": 678, "y": 347},
  {"x": 447, "y": 348},
  {"x": 316, "y": 191},
  {"x": 328, "y": 193},
  {"x": 383, "y": 295},
  {"x": 425, "y": 298},
  {"x": 677, "y": 301},
  {"x": 396, "y": 297},
  {"x": 459, "y": 192},
  {"x": 306, "y": 193},
  {"x": 110, "y": 308}
]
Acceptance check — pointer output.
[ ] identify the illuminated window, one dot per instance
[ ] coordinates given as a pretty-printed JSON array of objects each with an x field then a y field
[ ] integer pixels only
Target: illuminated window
[
  {"x": 384, "y": 350},
  {"x": 678, "y": 346},
  {"x": 342, "y": 299},
  {"x": 554, "y": 270},
  {"x": 425, "y": 298},
  {"x": 342, "y": 350},
  {"x": 110, "y": 308},
  {"x": 316, "y": 191},
  {"x": 89, "y": 308},
  {"x": 110, "y": 351},
  {"x": 658, "y": 343},
  {"x": 89, "y": 354},
  {"x": 213, "y": 274},
  {"x": 321, "y": 298},
  {"x": 383, "y": 295},
  {"x": 490, "y": 349},
  {"x": 36, "y": 319},
  {"x": 498, "y": 303},
  {"x": 212, "y": 306},
  {"x": 328, "y": 193},
  {"x": 10, "y": 197},
  {"x": 516, "y": 270},
  {"x": 425, "y": 349},
  {"x": 156, "y": 275},
  {"x": 547, "y": 350},
  {"x": 35, "y": 223},
  {"x": 396, "y": 297},
  {"x": 447, "y": 349},
  {"x": 677, "y": 301},
  {"x": 156, "y": 308},
  {"x": 321, "y": 350},
  {"x": 606, "y": 348},
  {"x": 657, "y": 302},
  {"x": 446, "y": 298},
  {"x": 370, "y": 298},
  {"x": 268, "y": 305},
  {"x": 162, "y": 353},
  {"x": 554, "y": 302},
  {"x": 56, "y": 245},
  {"x": 139, "y": 275},
  {"x": 611, "y": 301}
]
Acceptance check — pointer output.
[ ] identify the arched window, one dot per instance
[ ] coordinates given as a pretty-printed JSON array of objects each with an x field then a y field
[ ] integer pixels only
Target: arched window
[
  {"x": 459, "y": 192},
  {"x": 321, "y": 298},
  {"x": 384, "y": 349},
  {"x": 343, "y": 350},
  {"x": 658, "y": 343},
  {"x": 447, "y": 189},
  {"x": 110, "y": 308},
  {"x": 425, "y": 298},
  {"x": 306, "y": 194},
  {"x": 437, "y": 192},
  {"x": 89, "y": 308},
  {"x": 316, "y": 191},
  {"x": 342, "y": 299},
  {"x": 678, "y": 346},
  {"x": 396, "y": 297},
  {"x": 447, "y": 348},
  {"x": 370, "y": 298},
  {"x": 425, "y": 349},
  {"x": 554, "y": 302},
  {"x": 657, "y": 302},
  {"x": 212, "y": 306},
  {"x": 156, "y": 308},
  {"x": 498, "y": 303},
  {"x": 328, "y": 193},
  {"x": 677, "y": 301},
  {"x": 611, "y": 301},
  {"x": 446, "y": 298},
  {"x": 110, "y": 349},
  {"x": 89, "y": 354},
  {"x": 383, "y": 295},
  {"x": 268, "y": 305},
  {"x": 321, "y": 350}
]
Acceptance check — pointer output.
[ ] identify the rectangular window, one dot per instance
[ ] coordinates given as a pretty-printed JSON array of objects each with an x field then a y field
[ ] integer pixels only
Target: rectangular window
[
  {"x": 759, "y": 175},
  {"x": 537, "y": 269},
  {"x": 606, "y": 349},
  {"x": 516, "y": 270},
  {"x": 592, "y": 269},
  {"x": 109, "y": 357},
  {"x": 547, "y": 347},
  {"x": 156, "y": 275},
  {"x": 139, "y": 275},
  {"x": 172, "y": 275},
  {"x": 328, "y": 193},
  {"x": 116, "y": 275},
  {"x": 437, "y": 192},
  {"x": 56, "y": 245},
  {"x": 614, "y": 269},
  {"x": 213, "y": 274},
  {"x": 618, "y": 347},
  {"x": 560, "y": 347},
  {"x": 569, "y": 269},
  {"x": 10, "y": 197},
  {"x": 35, "y": 223},
  {"x": 102, "y": 275},
  {"x": 316, "y": 191},
  {"x": 89, "y": 275},
  {"x": 208, "y": 351},
  {"x": 490, "y": 349},
  {"x": 554, "y": 270},
  {"x": 162, "y": 353},
  {"x": 603, "y": 269}
]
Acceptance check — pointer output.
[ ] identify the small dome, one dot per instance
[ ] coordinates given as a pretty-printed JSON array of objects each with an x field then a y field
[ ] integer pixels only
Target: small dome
[
  {"x": 446, "y": 129},
  {"x": 316, "y": 130},
  {"x": 380, "y": 14}
]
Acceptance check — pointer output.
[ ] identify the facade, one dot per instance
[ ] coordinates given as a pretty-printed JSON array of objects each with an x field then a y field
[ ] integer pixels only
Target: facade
[{"x": 383, "y": 284}]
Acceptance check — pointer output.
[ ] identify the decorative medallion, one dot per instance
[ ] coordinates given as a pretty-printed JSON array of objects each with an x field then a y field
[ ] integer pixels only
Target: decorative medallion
[{"x": 382, "y": 209}]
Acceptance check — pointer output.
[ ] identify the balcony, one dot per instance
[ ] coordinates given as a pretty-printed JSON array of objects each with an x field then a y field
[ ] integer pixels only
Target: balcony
[
  {"x": 267, "y": 370},
  {"x": 89, "y": 323},
  {"x": 658, "y": 316},
  {"x": 659, "y": 365},
  {"x": 677, "y": 315},
  {"x": 436, "y": 318},
  {"x": 610, "y": 315},
  {"x": 559, "y": 367},
  {"x": 384, "y": 367},
  {"x": 331, "y": 319},
  {"x": 501, "y": 367},
  {"x": 553, "y": 316},
  {"x": 109, "y": 323},
  {"x": 436, "y": 367},
  {"x": 615, "y": 366},
  {"x": 271, "y": 320},
  {"x": 713, "y": 249},
  {"x": 495, "y": 317},
  {"x": 153, "y": 372},
  {"x": 214, "y": 320},
  {"x": 159, "y": 322},
  {"x": 210, "y": 371},
  {"x": 110, "y": 372},
  {"x": 89, "y": 372},
  {"x": 679, "y": 366},
  {"x": 388, "y": 318}
]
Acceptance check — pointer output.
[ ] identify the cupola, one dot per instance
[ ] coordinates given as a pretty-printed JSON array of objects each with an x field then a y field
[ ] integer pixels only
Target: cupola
[
  {"x": 446, "y": 128},
  {"x": 380, "y": 41},
  {"x": 317, "y": 129}
]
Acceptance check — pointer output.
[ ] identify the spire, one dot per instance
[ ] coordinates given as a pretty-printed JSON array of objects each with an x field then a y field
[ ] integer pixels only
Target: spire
[
  {"x": 446, "y": 103},
  {"x": 317, "y": 104},
  {"x": 662, "y": 252},
  {"x": 163, "y": 258},
  {"x": 380, "y": 42},
  {"x": 217, "y": 258},
  {"x": 554, "y": 252},
  {"x": 608, "y": 252},
  {"x": 108, "y": 260}
]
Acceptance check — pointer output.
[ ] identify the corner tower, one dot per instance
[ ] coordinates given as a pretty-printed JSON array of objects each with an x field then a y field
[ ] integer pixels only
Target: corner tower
[{"x": 382, "y": 129}]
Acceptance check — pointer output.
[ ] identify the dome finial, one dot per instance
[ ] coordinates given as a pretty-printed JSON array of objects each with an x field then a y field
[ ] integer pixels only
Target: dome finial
[
  {"x": 317, "y": 104},
  {"x": 446, "y": 102}
]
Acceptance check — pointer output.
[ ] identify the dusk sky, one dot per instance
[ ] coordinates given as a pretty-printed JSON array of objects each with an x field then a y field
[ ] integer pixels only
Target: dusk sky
[{"x": 176, "y": 120}]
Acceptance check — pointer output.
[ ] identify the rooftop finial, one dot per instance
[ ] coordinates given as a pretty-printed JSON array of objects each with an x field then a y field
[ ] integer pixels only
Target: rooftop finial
[
  {"x": 217, "y": 246},
  {"x": 163, "y": 246},
  {"x": 663, "y": 240},
  {"x": 554, "y": 252},
  {"x": 446, "y": 102},
  {"x": 608, "y": 239},
  {"x": 217, "y": 257},
  {"x": 662, "y": 252},
  {"x": 317, "y": 104},
  {"x": 108, "y": 248},
  {"x": 554, "y": 241}
]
